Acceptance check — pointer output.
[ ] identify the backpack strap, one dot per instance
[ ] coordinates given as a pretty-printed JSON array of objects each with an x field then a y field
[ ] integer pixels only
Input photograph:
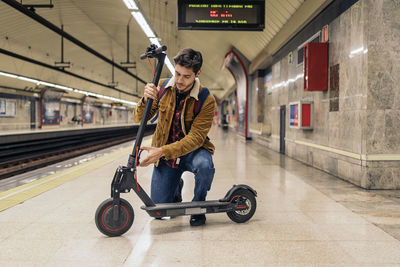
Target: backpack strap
[
  {"x": 161, "y": 93},
  {"x": 200, "y": 102},
  {"x": 163, "y": 89}
]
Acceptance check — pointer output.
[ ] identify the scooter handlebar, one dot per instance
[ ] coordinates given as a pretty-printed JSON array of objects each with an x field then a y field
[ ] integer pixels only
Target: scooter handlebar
[
  {"x": 143, "y": 56},
  {"x": 153, "y": 52}
]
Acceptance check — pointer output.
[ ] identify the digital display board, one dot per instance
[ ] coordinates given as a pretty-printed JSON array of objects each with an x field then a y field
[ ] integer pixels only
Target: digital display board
[{"x": 225, "y": 15}]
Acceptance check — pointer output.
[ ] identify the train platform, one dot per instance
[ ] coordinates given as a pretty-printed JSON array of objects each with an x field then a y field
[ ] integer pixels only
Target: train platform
[{"x": 304, "y": 217}]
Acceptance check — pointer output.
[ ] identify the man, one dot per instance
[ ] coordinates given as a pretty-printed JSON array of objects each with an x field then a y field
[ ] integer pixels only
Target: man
[{"x": 180, "y": 140}]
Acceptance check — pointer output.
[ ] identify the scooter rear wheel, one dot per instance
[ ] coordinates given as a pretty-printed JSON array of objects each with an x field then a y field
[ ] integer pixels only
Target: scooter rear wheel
[
  {"x": 242, "y": 197},
  {"x": 107, "y": 224}
]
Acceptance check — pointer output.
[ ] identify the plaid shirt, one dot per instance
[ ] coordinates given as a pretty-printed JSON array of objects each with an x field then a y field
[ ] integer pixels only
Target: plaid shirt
[{"x": 176, "y": 132}]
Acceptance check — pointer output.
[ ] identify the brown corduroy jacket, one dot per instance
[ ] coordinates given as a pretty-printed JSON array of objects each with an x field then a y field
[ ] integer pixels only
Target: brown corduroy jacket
[{"x": 195, "y": 128}]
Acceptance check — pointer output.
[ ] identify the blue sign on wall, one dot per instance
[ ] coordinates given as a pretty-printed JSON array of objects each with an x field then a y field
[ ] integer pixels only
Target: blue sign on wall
[{"x": 294, "y": 115}]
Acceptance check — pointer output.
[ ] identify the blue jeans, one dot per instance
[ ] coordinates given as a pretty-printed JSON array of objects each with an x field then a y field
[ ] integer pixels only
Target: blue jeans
[{"x": 165, "y": 180}]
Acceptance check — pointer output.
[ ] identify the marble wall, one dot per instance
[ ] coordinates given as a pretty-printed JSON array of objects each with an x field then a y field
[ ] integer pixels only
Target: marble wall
[
  {"x": 382, "y": 133},
  {"x": 360, "y": 140}
]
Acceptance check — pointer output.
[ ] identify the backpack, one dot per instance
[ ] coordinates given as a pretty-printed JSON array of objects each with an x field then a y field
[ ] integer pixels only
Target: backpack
[{"x": 198, "y": 104}]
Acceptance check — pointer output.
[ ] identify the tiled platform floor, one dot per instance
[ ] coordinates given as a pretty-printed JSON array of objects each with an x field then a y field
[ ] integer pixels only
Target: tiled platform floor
[{"x": 304, "y": 217}]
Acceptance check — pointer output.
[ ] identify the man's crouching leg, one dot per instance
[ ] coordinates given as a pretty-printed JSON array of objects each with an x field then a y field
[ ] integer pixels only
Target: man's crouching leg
[
  {"x": 164, "y": 182},
  {"x": 201, "y": 164}
]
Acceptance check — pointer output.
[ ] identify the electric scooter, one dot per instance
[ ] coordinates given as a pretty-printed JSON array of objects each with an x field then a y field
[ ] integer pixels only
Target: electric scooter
[{"x": 115, "y": 215}]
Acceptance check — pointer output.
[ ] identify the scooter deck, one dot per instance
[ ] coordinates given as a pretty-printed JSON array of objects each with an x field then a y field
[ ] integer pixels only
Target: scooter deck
[
  {"x": 184, "y": 205},
  {"x": 187, "y": 208}
]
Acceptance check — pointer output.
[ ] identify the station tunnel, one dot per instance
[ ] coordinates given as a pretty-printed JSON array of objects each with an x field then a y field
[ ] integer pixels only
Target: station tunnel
[{"x": 270, "y": 138}]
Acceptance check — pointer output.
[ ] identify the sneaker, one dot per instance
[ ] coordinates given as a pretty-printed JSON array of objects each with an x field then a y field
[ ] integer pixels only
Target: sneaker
[
  {"x": 178, "y": 197},
  {"x": 197, "y": 220}
]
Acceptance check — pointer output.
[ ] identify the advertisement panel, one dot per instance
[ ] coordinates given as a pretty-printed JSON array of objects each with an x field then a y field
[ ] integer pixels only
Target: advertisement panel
[
  {"x": 301, "y": 115},
  {"x": 8, "y": 107},
  {"x": 50, "y": 112},
  {"x": 87, "y": 112},
  {"x": 268, "y": 82},
  {"x": 50, "y": 106}
]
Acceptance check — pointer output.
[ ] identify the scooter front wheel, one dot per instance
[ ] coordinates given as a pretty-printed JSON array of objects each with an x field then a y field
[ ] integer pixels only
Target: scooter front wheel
[
  {"x": 113, "y": 222},
  {"x": 242, "y": 198}
]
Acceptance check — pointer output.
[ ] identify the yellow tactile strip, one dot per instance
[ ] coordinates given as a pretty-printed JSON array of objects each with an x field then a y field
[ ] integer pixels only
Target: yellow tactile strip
[{"x": 24, "y": 192}]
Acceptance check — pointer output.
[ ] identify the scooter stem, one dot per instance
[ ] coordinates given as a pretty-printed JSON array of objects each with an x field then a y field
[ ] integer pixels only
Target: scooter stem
[{"x": 143, "y": 123}]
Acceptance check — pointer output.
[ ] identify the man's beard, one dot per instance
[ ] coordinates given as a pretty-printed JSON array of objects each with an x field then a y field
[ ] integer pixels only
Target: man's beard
[{"x": 186, "y": 88}]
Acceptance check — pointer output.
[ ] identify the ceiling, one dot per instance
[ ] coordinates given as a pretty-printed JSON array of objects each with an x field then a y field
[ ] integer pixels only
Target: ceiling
[{"x": 101, "y": 25}]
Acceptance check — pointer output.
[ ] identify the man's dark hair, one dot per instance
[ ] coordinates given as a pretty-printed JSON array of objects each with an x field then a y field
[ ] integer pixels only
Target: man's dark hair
[{"x": 189, "y": 58}]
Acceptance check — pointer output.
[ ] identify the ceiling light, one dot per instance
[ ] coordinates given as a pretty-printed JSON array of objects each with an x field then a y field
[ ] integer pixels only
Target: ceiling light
[
  {"x": 27, "y": 79},
  {"x": 169, "y": 66},
  {"x": 130, "y": 4},
  {"x": 155, "y": 41},
  {"x": 38, "y": 82},
  {"x": 148, "y": 31},
  {"x": 8, "y": 75},
  {"x": 80, "y": 92},
  {"x": 143, "y": 24},
  {"x": 46, "y": 83},
  {"x": 63, "y": 87}
]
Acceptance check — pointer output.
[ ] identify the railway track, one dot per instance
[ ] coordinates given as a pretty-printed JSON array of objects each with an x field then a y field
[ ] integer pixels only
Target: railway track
[{"x": 26, "y": 155}]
